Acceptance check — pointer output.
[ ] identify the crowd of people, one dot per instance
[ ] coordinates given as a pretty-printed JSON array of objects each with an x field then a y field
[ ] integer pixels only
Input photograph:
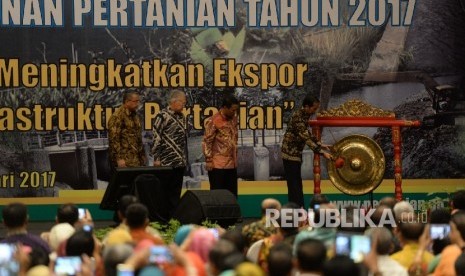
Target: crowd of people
[
  {"x": 400, "y": 241},
  {"x": 292, "y": 247}
]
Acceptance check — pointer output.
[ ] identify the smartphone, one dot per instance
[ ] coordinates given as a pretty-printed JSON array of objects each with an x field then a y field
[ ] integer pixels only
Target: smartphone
[
  {"x": 439, "y": 231},
  {"x": 69, "y": 265},
  {"x": 87, "y": 228},
  {"x": 124, "y": 270},
  {"x": 353, "y": 245},
  {"x": 82, "y": 213},
  {"x": 215, "y": 232},
  {"x": 160, "y": 255},
  {"x": 8, "y": 264}
]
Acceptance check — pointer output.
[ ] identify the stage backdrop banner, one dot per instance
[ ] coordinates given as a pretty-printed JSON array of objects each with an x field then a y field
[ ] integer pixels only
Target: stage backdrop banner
[{"x": 64, "y": 66}]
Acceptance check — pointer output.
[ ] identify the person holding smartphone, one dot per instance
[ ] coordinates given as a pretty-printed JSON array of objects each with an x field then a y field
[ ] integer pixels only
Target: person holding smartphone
[
  {"x": 384, "y": 245},
  {"x": 15, "y": 219}
]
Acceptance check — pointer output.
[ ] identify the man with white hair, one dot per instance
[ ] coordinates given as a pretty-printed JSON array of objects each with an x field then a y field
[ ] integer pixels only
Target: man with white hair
[
  {"x": 169, "y": 146},
  {"x": 402, "y": 207},
  {"x": 384, "y": 247}
]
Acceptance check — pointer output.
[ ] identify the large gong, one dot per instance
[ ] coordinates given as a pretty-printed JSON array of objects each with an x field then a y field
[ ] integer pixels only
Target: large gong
[{"x": 363, "y": 167}]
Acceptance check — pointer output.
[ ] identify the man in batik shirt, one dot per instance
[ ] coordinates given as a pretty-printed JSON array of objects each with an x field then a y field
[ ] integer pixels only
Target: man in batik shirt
[
  {"x": 125, "y": 134},
  {"x": 296, "y": 137},
  {"x": 220, "y": 146},
  {"x": 169, "y": 146}
]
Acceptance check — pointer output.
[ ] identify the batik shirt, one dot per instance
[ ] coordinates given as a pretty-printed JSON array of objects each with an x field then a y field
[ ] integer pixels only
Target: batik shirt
[
  {"x": 169, "y": 138},
  {"x": 258, "y": 230},
  {"x": 125, "y": 138},
  {"x": 220, "y": 141},
  {"x": 297, "y": 136}
]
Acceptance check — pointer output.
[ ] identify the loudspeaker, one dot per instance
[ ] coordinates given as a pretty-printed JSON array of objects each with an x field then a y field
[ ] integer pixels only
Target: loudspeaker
[
  {"x": 148, "y": 189},
  {"x": 218, "y": 206}
]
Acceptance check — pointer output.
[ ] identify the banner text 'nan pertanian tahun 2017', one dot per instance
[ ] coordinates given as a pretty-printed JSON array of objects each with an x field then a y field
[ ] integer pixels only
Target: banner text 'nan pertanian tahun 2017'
[{"x": 206, "y": 13}]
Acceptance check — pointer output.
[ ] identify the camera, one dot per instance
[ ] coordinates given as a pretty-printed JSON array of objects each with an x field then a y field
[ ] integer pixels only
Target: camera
[
  {"x": 124, "y": 270},
  {"x": 215, "y": 232},
  {"x": 82, "y": 213},
  {"x": 439, "y": 231},
  {"x": 70, "y": 265},
  {"x": 8, "y": 264},
  {"x": 160, "y": 255},
  {"x": 353, "y": 245}
]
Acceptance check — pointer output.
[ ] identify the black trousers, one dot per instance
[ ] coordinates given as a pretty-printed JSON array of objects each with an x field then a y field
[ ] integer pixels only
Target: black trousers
[
  {"x": 173, "y": 190},
  {"x": 223, "y": 179},
  {"x": 293, "y": 176}
]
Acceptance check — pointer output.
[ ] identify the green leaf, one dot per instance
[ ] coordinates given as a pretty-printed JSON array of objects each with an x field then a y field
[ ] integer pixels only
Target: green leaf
[{"x": 236, "y": 44}]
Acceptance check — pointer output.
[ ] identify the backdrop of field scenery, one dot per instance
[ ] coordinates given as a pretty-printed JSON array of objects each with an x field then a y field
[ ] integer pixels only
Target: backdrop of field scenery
[{"x": 65, "y": 65}]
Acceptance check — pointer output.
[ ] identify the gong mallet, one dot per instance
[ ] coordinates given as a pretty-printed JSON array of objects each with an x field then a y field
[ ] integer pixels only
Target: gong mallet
[{"x": 338, "y": 161}]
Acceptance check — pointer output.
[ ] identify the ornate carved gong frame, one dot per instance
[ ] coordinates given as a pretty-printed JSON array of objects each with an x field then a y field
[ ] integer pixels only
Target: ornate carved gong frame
[{"x": 355, "y": 113}]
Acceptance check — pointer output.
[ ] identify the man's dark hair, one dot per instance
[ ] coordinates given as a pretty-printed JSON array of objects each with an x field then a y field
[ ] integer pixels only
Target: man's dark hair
[
  {"x": 229, "y": 100},
  {"x": 458, "y": 200},
  {"x": 68, "y": 213},
  {"x": 128, "y": 94},
  {"x": 38, "y": 256},
  {"x": 458, "y": 219},
  {"x": 440, "y": 216},
  {"x": 311, "y": 255},
  {"x": 280, "y": 260},
  {"x": 310, "y": 100},
  {"x": 81, "y": 242},
  {"x": 285, "y": 208},
  {"x": 340, "y": 265},
  {"x": 460, "y": 265},
  {"x": 14, "y": 215},
  {"x": 235, "y": 236},
  {"x": 318, "y": 199},
  {"x": 124, "y": 203},
  {"x": 411, "y": 230},
  {"x": 220, "y": 252},
  {"x": 388, "y": 201},
  {"x": 136, "y": 215}
]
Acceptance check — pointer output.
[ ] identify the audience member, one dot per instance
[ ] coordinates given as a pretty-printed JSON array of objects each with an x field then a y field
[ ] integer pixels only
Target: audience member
[
  {"x": 458, "y": 201},
  {"x": 450, "y": 254},
  {"x": 258, "y": 230},
  {"x": 201, "y": 241},
  {"x": 218, "y": 255},
  {"x": 137, "y": 219},
  {"x": 408, "y": 232},
  {"x": 280, "y": 261},
  {"x": 235, "y": 236},
  {"x": 460, "y": 265},
  {"x": 15, "y": 219},
  {"x": 388, "y": 201},
  {"x": 402, "y": 207},
  {"x": 311, "y": 256},
  {"x": 114, "y": 255},
  {"x": 318, "y": 199},
  {"x": 438, "y": 216},
  {"x": 340, "y": 265},
  {"x": 68, "y": 213},
  {"x": 384, "y": 247}
]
